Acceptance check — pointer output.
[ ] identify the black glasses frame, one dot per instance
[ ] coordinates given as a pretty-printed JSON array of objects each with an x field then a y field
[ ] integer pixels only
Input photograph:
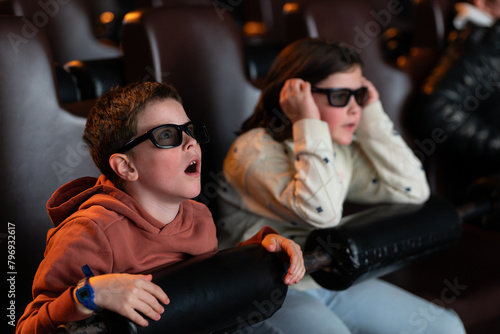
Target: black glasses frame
[
  {"x": 180, "y": 128},
  {"x": 360, "y": 95}
]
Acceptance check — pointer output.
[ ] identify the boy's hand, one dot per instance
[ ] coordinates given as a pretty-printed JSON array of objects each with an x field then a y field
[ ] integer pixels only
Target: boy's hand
[
  {"x": 128, "y": 294},
  {"x": 275, "y": 243}
]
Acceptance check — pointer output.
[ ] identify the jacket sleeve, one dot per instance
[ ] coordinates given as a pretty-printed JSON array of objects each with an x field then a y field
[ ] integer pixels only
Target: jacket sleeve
[
  {"x": 385, "y": 168},
  {"x": 74, "y": 245},
  {"x": 299, "y": 185}
]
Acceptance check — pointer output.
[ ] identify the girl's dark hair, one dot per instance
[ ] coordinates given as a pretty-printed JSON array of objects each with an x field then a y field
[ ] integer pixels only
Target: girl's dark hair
[{"x": 310, "y": 59}]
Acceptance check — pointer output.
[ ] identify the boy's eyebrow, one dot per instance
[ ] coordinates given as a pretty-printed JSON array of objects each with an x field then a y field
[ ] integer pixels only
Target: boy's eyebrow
[{"x": 163, "y": 123}]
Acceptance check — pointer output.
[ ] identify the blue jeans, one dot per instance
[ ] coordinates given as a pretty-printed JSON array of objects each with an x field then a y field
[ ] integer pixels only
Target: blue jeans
[{"x": 373, "y": 306}]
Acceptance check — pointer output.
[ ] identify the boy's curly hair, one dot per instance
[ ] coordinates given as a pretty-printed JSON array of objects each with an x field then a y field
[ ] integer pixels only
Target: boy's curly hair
[{"x": 112, "y": 122}]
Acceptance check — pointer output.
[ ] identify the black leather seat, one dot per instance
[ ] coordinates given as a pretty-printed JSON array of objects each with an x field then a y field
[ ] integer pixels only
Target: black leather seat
[
  {"x": 69, "y": 28},
  {"x": 95, "y": 77},
  {"x": 85, "y": 66},
  {"x": 164, "y": 3},
  {"x": 41, "y": 147},
  {"x": 6, "y": 7}
]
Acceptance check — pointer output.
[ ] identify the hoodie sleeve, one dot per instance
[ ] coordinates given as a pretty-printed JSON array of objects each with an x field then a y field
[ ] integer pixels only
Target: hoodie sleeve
[{"x": 70, "y": 246}]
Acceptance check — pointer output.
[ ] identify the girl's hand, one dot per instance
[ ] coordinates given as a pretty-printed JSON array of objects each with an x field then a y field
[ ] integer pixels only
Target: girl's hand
[
  {"x": 275, "y": 243},
  {"x": 128, "y": 294},
  {"x": 373, "y": 94},
  {"x": 297, "y": 101}
]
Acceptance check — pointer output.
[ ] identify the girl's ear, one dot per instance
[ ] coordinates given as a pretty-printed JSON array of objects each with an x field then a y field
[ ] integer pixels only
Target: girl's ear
[{"x": 123, "y": 166}]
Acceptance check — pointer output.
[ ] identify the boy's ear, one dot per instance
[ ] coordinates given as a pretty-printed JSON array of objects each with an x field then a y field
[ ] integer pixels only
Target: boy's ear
[{"x": 123, "y": 166}]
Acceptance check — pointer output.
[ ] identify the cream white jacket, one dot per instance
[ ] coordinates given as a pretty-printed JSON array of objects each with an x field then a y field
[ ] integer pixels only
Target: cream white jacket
[{"x": 301, "y": 184}]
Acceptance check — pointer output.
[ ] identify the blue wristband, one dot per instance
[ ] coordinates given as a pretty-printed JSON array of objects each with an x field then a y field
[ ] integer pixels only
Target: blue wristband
[{"x": 84, "y": 292}]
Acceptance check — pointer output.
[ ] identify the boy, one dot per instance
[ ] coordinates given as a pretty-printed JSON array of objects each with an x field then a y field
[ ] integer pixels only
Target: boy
[{"x": 137, "y": 216}]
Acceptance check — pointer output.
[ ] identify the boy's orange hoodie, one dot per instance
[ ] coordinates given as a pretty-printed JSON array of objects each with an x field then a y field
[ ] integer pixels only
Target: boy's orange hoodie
[{"x": 98, "y": 225}]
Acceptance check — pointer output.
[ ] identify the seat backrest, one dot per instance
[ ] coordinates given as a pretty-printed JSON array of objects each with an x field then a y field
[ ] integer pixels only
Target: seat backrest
[
  {"x": 354, "y": 24},
  {"x": 68, "y": 26},
  {"x": 272, "y": 14},
  {"x": 401, "y": 12},
  {"x": 41, "y": 146},
  {"x": 164, "y": 3},
  {"x": 202, "y": 56},
  {"x": 430, "y": 26},
  {"x": 6, "y": 7}
]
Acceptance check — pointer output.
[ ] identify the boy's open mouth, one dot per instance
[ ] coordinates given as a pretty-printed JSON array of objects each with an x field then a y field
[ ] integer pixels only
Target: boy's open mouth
[{"x": 192, "y": 168}]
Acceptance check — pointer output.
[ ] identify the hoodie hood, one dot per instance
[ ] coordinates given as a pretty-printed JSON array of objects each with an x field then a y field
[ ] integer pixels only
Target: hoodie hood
[
  {"x": 80, "y": 193},
  {"x": 68, "y": 198},
  {"x": 101, "y": 201},
  {"x": 86, "y": 192}
]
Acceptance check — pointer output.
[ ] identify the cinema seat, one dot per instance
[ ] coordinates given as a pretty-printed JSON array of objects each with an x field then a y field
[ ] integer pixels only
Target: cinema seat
[
  {"x": 352, "y": 23},
  {"x": 166, "y": 3},
  {"x": 427, "y": 41},
  {"x": 201, "y": 55},
  {"x": 6, "y": 7},
  {"x": 68, "y": 27},
  {"x": 95, "y": 77},
  {"x": 41, "y": 146}
]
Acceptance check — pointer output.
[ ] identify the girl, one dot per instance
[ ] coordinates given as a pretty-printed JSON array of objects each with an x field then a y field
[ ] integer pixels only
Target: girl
[{"x": 319, "y": 136}]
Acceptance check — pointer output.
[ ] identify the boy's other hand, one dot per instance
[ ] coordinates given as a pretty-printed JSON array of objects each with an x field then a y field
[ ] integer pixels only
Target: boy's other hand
[
  {"x": 275, "y": 243},
  {"x": 128, "y": 295}
]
